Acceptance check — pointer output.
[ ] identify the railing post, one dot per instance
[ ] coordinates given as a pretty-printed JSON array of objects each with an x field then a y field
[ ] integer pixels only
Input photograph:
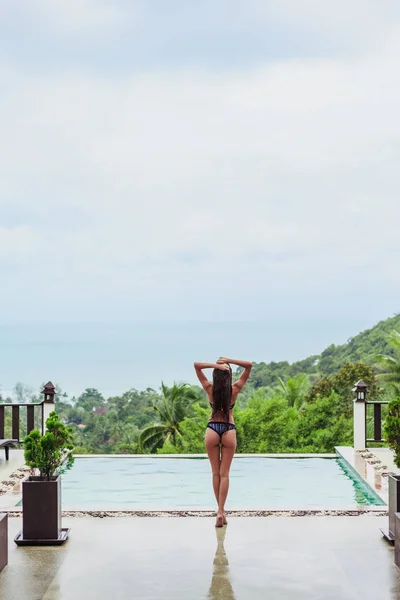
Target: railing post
[
  {"x": 15, "y": 422},
  {"x": 48, "y": 403},
  {"x": 378, "y": 422},
  {"x": 359, "y": 413}
]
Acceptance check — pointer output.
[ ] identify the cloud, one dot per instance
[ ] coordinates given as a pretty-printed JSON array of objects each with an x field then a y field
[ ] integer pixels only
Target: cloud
[
  {"x": 17, "y": 244},
  {"x": 365, "y": 21},
  {"x": 175, "y": 191},
  {"x": 73, "y": 17},
  {"x": 124, "y": 37}
]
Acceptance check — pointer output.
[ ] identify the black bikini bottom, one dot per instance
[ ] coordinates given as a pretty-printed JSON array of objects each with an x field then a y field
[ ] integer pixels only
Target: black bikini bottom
[{"x": 220, "y": 427}]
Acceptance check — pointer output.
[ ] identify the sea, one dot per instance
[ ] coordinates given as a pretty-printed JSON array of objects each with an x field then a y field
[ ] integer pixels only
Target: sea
[{"x": 115, "y": 357}]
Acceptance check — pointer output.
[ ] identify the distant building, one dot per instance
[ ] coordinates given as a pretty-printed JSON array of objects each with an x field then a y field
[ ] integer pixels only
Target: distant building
[{"x": 100, "y": 410}]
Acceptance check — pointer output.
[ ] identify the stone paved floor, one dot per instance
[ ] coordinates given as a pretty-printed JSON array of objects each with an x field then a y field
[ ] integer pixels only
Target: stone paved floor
[
  {"x": 15, "y": 461},
  {"x": 304, "y": 558},
  {"x": 387, "y": 457}
]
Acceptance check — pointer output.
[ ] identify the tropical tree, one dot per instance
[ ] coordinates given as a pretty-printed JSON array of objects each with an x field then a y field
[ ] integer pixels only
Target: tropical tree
[
  {"x": 90, "y": 399},
  {"x": 265, "y": 425},
  {"x": 23, "y": 393},
  {"x": 173, "y": 407},
  {"x": 135, "y": 406},
  {"x": 392, "y": 429},
  {"x": 342, "y": 384},
  {"x": 191, "y": 440},
  {"x": 390, "y": 363},
  {"x": 294, "y": 389},
  {"x": 322, "y": 425}
]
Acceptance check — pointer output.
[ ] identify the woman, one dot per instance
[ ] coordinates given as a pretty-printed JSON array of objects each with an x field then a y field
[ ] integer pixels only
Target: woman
[{"x": 220, "y": 438}]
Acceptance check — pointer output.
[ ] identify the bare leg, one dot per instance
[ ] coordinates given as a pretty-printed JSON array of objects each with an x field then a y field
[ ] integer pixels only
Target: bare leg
[
  {"x": 228, "y": 450},
  {"x": 216, "y": 480},
  {"x": 213, "y": 451}
]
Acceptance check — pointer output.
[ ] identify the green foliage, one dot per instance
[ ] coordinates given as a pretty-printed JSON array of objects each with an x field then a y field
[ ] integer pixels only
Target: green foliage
[
  {"x": 322, "y": 425},
  {"x": 124, "y": 448},
  {"x": 342, "y": 383},
  {"x": 266, "y": 425},
  {"x": 392, "y": 429},
  {"x": 50, "y": 453},
  {"x": 294, "y": 389},
  {"x": 135, "y": 406},
  {"x": 390, "y": 363},
  {"x": 81, "y": 450},
  {"x": 321, "y": 389},
  {"x": 192, "y": 430},
  {"x": 90, "y": 399},
  {"x": 362, "y": 348},
  {"x": 175, "y": 404},
  {"x": 306, "y": 406}
]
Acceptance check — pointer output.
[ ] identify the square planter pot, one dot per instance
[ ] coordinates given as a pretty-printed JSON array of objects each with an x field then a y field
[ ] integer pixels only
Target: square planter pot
[
  {"x": 394, "y": 503},
  {"x": 41, "y": 513},
  {"x": 3, "y": 541},
  {"x": 397, "y": 540}
]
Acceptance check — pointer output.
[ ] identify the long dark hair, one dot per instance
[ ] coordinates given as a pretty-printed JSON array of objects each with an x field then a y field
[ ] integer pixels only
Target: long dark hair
[{"x": 222, "y": 392}]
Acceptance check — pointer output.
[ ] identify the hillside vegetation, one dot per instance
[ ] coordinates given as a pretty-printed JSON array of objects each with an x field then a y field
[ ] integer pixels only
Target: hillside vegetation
[
  {"x": 360, "y": 348},
  {"x": 306, "y": 406}
]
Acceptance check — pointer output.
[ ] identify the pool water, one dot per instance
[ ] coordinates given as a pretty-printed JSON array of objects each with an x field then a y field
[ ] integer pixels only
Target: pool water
[{"x": 255, "y": 483}]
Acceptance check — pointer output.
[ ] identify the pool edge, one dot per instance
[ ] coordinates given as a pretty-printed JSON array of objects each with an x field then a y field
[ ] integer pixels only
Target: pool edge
[
  {"x": 203, "y": 455},
  {"x": 364, "y": 472},
  {"x": 359, "y": 511}
]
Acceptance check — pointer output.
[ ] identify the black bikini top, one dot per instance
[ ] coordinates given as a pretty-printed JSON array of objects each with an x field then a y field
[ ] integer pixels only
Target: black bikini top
[{"x": 230, "y": 408}]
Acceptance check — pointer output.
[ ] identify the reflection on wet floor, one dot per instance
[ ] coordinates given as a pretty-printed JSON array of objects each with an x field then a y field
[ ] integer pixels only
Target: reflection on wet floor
[
  {"x": 279, "y": 558},
  {"x": 221, "y": 585}
]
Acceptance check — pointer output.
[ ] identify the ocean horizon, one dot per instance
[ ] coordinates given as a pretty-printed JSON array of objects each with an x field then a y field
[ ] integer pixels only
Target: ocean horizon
[{"x": 115, "y": 357}]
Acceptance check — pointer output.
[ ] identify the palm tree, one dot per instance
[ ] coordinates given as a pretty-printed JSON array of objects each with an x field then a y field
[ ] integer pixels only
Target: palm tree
[
  {"x": 294, "y": 389},
  {"x": 172, "y": 408},
  {"x": 390, "y": 363}
]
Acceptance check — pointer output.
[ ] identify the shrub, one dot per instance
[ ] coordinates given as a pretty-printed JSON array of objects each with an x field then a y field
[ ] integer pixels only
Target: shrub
[
  {"x": 50, "y": 453},
  {"x": 392, "y": 429}
]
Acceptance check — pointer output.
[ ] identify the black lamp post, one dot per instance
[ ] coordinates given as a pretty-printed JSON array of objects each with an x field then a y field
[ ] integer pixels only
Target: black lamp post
[
  {"x": 360, "y": 391},
  {"x": 49, "y": 392}
]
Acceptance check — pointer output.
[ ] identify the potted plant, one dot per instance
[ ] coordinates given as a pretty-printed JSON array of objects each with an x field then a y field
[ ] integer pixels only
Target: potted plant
[
  {"x": 3, "y": 541},
  {"x": 48, "y": 455},
  {"x": 392, "y": 434}
]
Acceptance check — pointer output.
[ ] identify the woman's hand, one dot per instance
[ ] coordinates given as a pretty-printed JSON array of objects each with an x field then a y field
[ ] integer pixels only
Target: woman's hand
[
  {"x": 222, "y": 359},
  {"x": 222, "y": 366}
]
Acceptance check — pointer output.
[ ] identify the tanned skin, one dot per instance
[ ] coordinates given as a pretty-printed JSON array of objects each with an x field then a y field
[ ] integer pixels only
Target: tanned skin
[{"x": 221, "y": 453}]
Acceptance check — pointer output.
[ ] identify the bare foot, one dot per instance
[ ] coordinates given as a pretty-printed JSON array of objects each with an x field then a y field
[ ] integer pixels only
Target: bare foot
[
  {"x": 225, "y": 521},
  {"x": 220, "y": 521}
]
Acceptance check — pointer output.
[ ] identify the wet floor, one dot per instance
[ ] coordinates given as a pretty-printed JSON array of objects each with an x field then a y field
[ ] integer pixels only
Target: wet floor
[{"x": 277, "y": 558}]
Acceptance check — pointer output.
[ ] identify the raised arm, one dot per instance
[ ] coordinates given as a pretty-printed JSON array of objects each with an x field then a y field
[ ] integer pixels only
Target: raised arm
[
  {"x": 199, "y": 366},
  {"x": 246, "y": 364}
]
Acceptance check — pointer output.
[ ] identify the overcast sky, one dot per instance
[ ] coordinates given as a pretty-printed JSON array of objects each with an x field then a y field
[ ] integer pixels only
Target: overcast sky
[{"x": 214, "y": 160}]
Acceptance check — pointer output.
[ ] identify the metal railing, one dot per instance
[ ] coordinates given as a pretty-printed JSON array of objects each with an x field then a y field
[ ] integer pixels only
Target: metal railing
[
  {"x": 375, "y": 420},
  {"x": 13, "y": 426},
  {"x": 18, "y": 424}
]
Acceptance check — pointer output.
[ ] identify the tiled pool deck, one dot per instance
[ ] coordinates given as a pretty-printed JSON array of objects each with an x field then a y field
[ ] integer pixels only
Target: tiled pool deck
[
  {"x": 257, "y": 557},
  {"x": 7, "y": 467},
  {"x": 188, "y": 559}
]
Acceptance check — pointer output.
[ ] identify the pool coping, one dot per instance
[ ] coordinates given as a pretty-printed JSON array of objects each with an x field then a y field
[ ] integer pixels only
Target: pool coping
[
  {"x": 365, "y": 471},
  {"x": 204, "y": 455},
  {"x": 379, "y": 511}
]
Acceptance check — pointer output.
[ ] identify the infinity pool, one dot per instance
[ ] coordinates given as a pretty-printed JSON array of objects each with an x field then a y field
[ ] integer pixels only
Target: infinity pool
[{"x": 169, "y": 483}]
